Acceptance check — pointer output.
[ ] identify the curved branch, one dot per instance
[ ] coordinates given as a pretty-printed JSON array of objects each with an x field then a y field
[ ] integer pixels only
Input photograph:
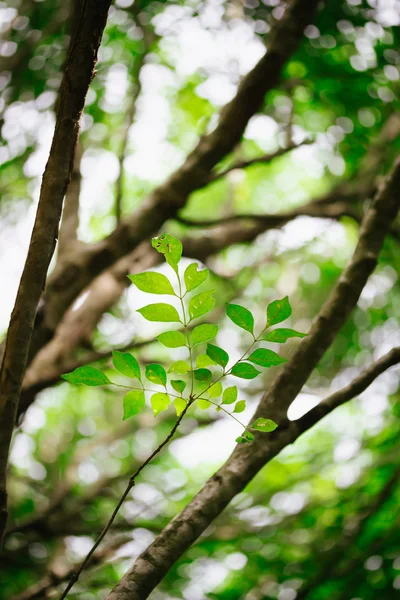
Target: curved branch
[{"x": 246, "y": 461}]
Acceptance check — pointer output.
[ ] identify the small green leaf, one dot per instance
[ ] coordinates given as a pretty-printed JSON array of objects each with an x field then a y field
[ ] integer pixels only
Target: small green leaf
[
  {"x": 178, "y": 385},
  {"x": 278, "y": 311},
  {"x": 193, "y": 277},
  {"x": 179, "y": 366},
  {"x": 280, "y": 336},
  {"x": 215, "y": 390},
  {"x": 201, "y": 304},
  {"x": 180, "y": 405},
  {"x": 266, "y": 358},
  {"x": 161, "y": 312},
  {"x": 170, "y": 247},
  {"x": 172, "y": 339},
  {"x": 245, "y": 438},
  {"x": 87, "y": 376},
  {"x": 244, "y": 370},
  {"x": 126, "y": 364},
  {"x": 230, "y": 395},
  {"x": 133, "y": 403},
  {"x": 265, "y": 425},
  {"x": 152, "y": 283},
  {"x": 203, "y": 333},
  {"x": 240, "y": 406},
  {"x": 203, "y": 404},
  {"x": 203, "y": 375},
  {"x": 156, "y": 374},
  {"x": 218, "y": 355},
  {"x": 241, "y": 316},
  {"x": 159, "y": 402},
  {"x": 204, "y": 361}
]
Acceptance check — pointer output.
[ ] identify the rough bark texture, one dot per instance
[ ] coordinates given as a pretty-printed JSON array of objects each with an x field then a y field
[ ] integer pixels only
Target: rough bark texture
[
  {"x": 247, "y": 460},
  {"x": 78, "y": 74}
]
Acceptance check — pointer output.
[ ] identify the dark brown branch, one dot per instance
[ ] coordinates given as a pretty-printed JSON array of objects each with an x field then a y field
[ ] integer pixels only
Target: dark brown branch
[
  {"x": 247, "y": 460},
  {"x": 77, "y": 77},
  {"x": 163, "y": 203}
]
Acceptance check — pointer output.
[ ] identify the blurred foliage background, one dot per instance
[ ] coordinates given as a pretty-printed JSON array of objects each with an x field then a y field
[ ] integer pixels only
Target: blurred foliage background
[{"x": 321, "y": 521}]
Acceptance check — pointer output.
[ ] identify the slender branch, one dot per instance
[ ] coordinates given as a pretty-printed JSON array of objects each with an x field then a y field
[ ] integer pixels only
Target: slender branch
[
  {"x": 247, "y": 460},
  {"x": 128, "y": 488},
  {"x": 77, "y": 77}
]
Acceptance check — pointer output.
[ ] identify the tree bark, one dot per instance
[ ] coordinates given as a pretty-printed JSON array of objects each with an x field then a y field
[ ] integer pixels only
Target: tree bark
[{"x": 78, "y": 74}]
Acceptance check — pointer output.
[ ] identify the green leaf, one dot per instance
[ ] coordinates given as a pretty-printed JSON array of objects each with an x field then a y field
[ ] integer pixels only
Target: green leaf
[
  {"x": 178, "y": 385},
  {"x": 246, "y": 438},
  {"x": 278, "y": 311},
  {"x": 265, "y": 425},
  {"x": 203, "y": 375},
  {"x": 170, "y": 247},
  {"x": 156, "y": 374},
  {"x": 280, "y": 336},
  {"x": 204, "y": 361},
  {"x": 241, "y": 316},
  {"x": 87, "y": 376},
  {"x": 193, "y": 277},
  {"x": 152, "y": 283},
  {"x": 180, "y": 405},
  {"x": 230, "y": 395},
  {"x": 203, "y": 404},
  {"x": 159, "y": 402},
  {"x": 266, "y": 358},
  {"x": 133, "y": 403},
  {"x": 161, "y": 312},
  {"x": 215, "y": 390},
  {"x": 172, "y": 339},
  {"x": 240, "y": 406},
  {"x": 203, "y": 333},
  {"x": 245, "y": 371},
  {"x": 201, "y": 304},
  {"x": 179, "y": 366},
  {"x": 218, "y": 355},
  {"x": 126, "y": 364}
]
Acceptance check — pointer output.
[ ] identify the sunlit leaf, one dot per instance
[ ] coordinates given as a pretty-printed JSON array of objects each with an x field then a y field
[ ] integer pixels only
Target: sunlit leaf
[
  {"x": 201, "y": 304},
  {"x": 204, "y": 361},
  {"x": 280, "y": 336},
  {"x": 156, "y": 374},
  {"x": 278, "y": 311},
  {"x": 159, "y": 402},
  {"x": 215, "y": 390},
  {"x": 179, "y": 366},
  {"x": 163, "y": 313},
  {"x": 230, "y": 395},
  {"x": 218, "y": 355},
  {"x": 180, "y": 405},
  {"x": 240, "y": 406},
  {"x": 203, "y": 333},
  {"x": 241, "y": 316},
  {"x": 133, "y": 403},
  {"x": 244, "y": 370},
  {"x": 87, "y": 376},
  {"x": 172, "y": 339},
  {"x": 126, "y": 364},
  {"x": 170, "y": 247},
  {"x": 193, "y": 277},
  {"x": 152, "y": 283},
  {"x": 203, "y": 404},
  {"x": 266, "y": 358}
]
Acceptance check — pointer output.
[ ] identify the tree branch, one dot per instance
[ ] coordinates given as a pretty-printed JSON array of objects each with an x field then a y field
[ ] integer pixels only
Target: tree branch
[
  {"x": 163, "y": 203},
  {"x": 70, "y": 216},
  {"x": 78, "y": 74},
  {"x": 247, "y": 460}
]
